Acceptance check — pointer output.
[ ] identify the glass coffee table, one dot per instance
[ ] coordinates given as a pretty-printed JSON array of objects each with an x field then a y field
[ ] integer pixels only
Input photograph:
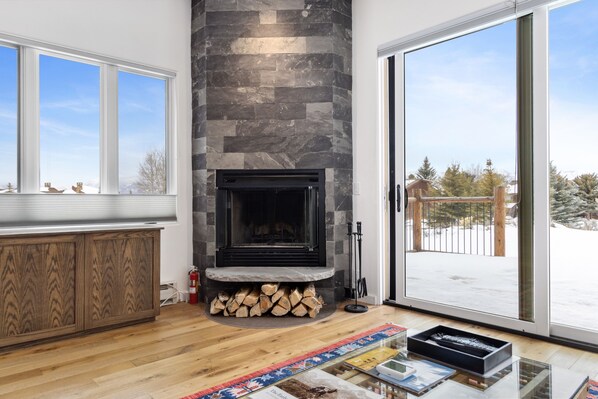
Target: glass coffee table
[{"x": 515, "y": 378}]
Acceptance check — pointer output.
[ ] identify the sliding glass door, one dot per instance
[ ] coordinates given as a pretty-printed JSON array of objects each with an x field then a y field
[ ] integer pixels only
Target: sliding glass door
[
  {"x": 493, "y": 141},
  {"x": 574, "y": 170},
  {"x": 460, "y": 155}
]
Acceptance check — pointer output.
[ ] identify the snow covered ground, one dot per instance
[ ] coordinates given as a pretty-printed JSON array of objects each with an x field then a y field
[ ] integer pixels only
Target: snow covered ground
[{"x": 489, "y": 284}]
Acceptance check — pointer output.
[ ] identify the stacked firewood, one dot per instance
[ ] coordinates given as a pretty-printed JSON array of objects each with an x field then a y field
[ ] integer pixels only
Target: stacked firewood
[{"x": 269, "y": 298}]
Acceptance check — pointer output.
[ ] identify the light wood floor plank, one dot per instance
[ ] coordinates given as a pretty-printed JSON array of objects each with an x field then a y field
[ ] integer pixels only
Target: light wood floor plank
[{"x": 184, "y": 352}]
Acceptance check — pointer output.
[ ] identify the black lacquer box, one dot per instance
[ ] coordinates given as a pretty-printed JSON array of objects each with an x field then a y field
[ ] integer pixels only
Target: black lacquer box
[{"x": 419, "y": 344}]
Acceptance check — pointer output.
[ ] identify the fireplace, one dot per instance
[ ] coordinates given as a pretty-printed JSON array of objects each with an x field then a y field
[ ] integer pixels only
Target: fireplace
[{"x": 270, "y": 218}]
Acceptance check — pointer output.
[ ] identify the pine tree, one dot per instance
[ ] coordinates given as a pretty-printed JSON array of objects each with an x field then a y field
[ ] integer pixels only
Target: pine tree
[
  {"x": 489, "y": 180},
  {"x": 426, "y": 171},
  {"x": 565, "y": 204},
  {"x": 587, "y": 186},
  {"x": 456, "y": 182}
]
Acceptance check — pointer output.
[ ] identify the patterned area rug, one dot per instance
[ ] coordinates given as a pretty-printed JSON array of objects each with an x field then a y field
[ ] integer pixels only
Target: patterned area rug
[
  {"x": 593, "y": 390},
  {"x": 252, "y": 382}
]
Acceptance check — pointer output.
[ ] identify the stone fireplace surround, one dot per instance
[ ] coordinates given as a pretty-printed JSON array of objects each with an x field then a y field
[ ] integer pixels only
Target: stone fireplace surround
[{"x": 272, "y": 90}]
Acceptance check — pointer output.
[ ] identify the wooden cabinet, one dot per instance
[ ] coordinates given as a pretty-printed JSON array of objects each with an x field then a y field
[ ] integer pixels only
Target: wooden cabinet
[
  {"x": 121, "y": 281},
  {"x": 54, "y": 285},
  {"x": 40, "y": 281}
]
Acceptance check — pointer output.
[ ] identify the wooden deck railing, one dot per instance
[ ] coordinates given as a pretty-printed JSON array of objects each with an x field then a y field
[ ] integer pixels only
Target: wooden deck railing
[{"x": 424, "y": 210}]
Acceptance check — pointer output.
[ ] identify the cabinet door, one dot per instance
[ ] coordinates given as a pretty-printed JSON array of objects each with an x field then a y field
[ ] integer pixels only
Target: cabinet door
[
  {"x": 41, "y": 287},
  {"x": 122, "y": 277}
]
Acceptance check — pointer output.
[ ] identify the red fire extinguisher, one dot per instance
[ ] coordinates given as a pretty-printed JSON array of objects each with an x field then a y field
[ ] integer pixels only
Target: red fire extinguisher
[{"x": 193, "y": 285}]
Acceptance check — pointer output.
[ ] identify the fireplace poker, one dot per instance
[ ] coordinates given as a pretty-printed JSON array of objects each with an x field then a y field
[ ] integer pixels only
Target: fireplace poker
[
  {"x": 353, "y": 308},
  {"x": 362, "y": 288}
]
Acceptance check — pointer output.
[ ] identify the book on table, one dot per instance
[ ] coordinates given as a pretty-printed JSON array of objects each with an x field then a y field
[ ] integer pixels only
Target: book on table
[
  {"x": 428, "y": 374},
  {"x": 315, "y": 383}
]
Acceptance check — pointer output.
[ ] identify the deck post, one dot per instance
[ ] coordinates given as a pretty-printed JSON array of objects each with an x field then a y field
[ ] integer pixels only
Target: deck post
[{"x": 499, "y": 221}]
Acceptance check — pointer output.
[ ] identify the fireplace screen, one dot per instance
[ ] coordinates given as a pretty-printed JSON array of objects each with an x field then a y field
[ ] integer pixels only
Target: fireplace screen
[
  {"x": 270, "y": 218},
  {"x": 273, "y": 218}
]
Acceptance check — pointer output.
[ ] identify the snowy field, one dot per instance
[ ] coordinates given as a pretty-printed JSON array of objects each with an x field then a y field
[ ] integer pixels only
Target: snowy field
[{"x": 489, "y": 284}]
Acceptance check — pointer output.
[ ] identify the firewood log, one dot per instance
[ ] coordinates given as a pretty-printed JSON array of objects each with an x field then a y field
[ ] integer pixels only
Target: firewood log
[
  {"x": 314, "y": 312},
  {"x": 232, "y": 305},
  {"x": 321, "y": 300},
  {"x": 311, "y": 302},
  {"x": 295, "y": 297},
  {"x": 225, "y": 313},
  {"x": 223, "y": 296},
  {"x": 252, "y": 298},
  {"x": 243, "y": 311},
  {"x": 270, "y": 288},
  {"x": 299, "y": 310},
  {"x": 280, "y": 292},
  {"x": 265, "y": 303},
  {"x": 241, "y": 294},
  {"x": 255, "y": 310},
  {"x": 216, "y": 306},
  {"x": 279, "y": 311},
  {"x": 309, "y": 290},
  {"x": 284, "y": 300}
]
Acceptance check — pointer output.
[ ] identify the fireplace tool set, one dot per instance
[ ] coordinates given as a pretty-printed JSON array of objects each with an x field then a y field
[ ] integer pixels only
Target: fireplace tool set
[{"x": 358, "y": 286}]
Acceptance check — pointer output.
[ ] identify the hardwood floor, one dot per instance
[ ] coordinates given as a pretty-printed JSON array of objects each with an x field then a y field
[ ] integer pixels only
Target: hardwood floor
[{"x": 183, "y": 352}]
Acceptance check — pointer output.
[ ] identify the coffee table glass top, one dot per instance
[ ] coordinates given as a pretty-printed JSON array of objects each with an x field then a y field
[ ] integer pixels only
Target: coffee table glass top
[{"x": 515, "y": 378}]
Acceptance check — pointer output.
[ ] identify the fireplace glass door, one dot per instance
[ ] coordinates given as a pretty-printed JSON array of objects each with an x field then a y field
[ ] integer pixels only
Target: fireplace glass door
[{"x": 270, "y": 218}]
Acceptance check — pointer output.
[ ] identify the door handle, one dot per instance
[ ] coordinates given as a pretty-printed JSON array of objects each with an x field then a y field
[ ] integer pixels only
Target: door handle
[{"x": 398, "y": 198}]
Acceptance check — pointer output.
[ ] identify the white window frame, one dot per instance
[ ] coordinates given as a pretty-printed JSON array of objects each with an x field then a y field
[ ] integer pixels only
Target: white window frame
[{"x": 29, "y": 207}]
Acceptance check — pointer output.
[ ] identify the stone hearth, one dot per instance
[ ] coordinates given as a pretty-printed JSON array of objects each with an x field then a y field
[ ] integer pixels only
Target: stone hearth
[{"x": 272, "y": 90}]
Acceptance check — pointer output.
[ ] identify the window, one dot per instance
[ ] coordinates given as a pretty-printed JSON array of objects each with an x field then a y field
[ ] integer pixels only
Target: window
[
  {"x": 85, "y": 125},
  {"x": 8, "y": 119},
  {"x": 69, "y": 124},
  {"x": 141, "y": 134}
]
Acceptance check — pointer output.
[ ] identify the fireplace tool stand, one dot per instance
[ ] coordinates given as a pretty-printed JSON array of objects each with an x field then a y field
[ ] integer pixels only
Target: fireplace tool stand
[{"x": 358, "y": 283}]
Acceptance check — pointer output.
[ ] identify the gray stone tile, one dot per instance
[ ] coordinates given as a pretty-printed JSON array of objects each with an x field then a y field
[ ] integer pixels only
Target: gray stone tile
[
  {"x": 241, "y": 62},
  {"x": 198, "y": 146},
  {"x": 280, "y": 111},
  {"x": 240, "y": 95},
  {"x": 304, "y": 16},
  {"x": 323, "y": 77},
  {"x": 303, "y": 94},
  {"x": 233, "y": 79},
  {"x": 266, "y": 127},
  {"x": 319, "y": 44},
  {"x": 267, "y": 17},
  {"x": 277, "y": 78},
  {"x": 232, "y": 17},
  {"x": 230, "y": 111},
  {"x": 315, "y": 160},
  {"x": 263, "y": 160},
  {"x": 339, "y": 111},
  {"x": 222, "y": 128},
  {"x": 226, "y": 161},
  {"x": 270, "y": 4},
  {"x": 221, "y": 5},
  {"x": 215, "y": 144},
  {"x": 304, "y": 61},
  {"x": 267, "y": 45}
]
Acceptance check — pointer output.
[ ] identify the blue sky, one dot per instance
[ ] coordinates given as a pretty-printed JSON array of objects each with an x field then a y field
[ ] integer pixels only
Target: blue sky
[
  {"x": 70, "y": 121},
  {"x": 460, "y": 101},
  {"x": 8, "y": 116},
  {"x": 460, "y": 96}
]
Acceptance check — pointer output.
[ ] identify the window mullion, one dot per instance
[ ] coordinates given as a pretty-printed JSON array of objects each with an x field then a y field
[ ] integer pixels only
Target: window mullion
[
  {"x": 109, "y": 130},
  {"x": 29, "y": 163}
]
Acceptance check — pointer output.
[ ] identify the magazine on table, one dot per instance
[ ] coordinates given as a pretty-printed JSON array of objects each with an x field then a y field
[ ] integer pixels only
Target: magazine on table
[
  {"x": 315, "y": 384},
  {"x": 427, "y": 374}
]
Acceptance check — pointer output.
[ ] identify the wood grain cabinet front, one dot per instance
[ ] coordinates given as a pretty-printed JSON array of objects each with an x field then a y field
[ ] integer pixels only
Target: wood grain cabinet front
[
  {"x": 60, "y": 284},
  {"x": 122, "y": 280},
  {"x": 41, "y": 282}
]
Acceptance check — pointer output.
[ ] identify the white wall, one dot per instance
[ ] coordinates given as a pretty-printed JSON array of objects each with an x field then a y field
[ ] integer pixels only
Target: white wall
[
  {"x": 376, "y": 22},
  {"x": 151, "y": 32}
]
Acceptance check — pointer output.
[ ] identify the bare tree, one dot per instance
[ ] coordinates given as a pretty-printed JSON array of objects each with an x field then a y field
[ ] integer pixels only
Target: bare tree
[{"x": 151, "y": 177}]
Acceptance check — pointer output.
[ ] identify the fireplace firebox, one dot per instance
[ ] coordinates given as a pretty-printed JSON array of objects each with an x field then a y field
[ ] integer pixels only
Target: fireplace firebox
[{"x": 270, "y": 218}]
